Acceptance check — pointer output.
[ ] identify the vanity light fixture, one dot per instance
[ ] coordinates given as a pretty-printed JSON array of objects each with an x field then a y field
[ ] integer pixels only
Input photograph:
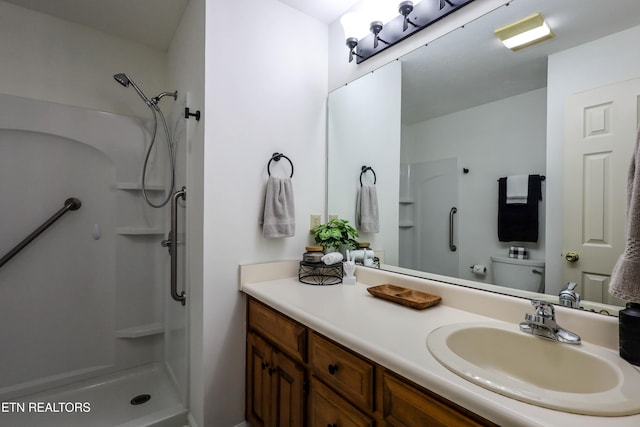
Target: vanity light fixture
[
  {"x": 389, "y": 22},
  {"x": 405, "y": 8},
  {"x": 525, "y": 32},
  {"x": 351, "y": 24}
]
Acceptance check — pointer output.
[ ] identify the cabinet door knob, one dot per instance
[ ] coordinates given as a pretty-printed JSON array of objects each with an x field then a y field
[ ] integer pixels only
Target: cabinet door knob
[
  {"x": 271, "y": 371},
  {"x": 332, "y": 425},
  {"x": 333, "y": 369},
  {"x": 264, "y": 365}
]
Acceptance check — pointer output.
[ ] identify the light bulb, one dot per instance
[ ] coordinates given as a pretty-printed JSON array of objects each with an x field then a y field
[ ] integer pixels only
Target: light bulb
[{"x": 354, "y": 25}]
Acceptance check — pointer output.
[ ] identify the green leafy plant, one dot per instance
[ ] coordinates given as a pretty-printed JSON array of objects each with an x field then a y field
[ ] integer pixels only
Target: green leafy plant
[{"x": 335, "y": 234}]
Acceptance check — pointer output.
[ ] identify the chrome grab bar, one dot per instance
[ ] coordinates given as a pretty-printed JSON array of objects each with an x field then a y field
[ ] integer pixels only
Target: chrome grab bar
[
  {"x": 71, "y": 204},
  {"x": 173, "y": 245},
  {"x": 452, "y": 212}
]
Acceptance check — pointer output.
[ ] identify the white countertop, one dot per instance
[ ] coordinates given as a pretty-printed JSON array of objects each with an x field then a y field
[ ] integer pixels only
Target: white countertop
[{"x": 395, "y": 337}]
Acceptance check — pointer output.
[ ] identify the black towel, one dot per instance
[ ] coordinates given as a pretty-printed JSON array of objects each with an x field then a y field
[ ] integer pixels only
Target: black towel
[{"x": 519, "y": 222}]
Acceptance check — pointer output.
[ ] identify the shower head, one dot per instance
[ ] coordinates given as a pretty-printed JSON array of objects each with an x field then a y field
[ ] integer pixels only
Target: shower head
[
  {"x": 122, "y": 79},
  {"x": 125, "y": 81}
]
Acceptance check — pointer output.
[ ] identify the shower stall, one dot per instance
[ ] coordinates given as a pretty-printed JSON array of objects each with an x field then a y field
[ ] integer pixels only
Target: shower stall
[{"x": 88, "y": 322}]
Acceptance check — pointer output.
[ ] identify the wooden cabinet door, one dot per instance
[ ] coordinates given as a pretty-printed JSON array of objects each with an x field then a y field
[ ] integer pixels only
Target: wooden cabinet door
[
  {"x": 405, "y": 405},
  {"x": 258, "y": 387},
  {"x": 343, "y": 370},
  {"x": 287, "y": 392},
  {"x": 286, "y": 334},
  {"x": 326, "y": 408}
]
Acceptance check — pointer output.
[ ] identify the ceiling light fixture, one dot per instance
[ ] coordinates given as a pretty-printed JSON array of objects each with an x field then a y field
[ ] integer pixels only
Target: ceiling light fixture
[
  {"x": 525, "y": 32},
  {"x": 389, "y": 22}
]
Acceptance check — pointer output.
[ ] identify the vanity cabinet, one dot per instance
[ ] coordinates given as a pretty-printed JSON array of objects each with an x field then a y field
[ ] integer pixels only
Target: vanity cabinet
[
  {"x": 327, "y": 408},
  {"x": 275, "y": 386},
  {"x": 405, "y": 404},
  {"x": 342, "y": 370},
  {"x": 297, "y": 377}
]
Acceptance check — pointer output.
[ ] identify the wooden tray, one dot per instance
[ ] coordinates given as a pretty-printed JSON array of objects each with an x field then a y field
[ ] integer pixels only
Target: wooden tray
[{"x": 404, "y": 296}]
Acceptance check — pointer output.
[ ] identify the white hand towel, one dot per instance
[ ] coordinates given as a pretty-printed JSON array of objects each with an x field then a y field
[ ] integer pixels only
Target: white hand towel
[
  {"x": 625, "y": 278},
  {"x": 517, "y": 189},
  {"x": 278, "y": 217},
  {"x": 332, "y": 258},
  {"x": 367, "y": 216}
]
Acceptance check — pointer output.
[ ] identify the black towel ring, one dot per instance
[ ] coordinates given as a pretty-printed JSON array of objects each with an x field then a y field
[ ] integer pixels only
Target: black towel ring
[
  {"x": 368, "y": 168},
  {"x": 277, "y": 157}
]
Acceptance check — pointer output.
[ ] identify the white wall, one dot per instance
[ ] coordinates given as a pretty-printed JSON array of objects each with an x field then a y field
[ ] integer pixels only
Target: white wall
[
  {"x": 608, "y": 60},
  {"x": 54, "y": 60},
  {"x": 364, "y": 129},
  {"x": 513, "y": 127},
  {"x": 341, "y": 71},
  {"x": 265, "y": 91}
]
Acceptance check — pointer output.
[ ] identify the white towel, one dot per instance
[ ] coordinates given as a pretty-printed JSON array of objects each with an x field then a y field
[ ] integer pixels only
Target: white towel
[
  {"x": 332, "y": 258},
  {"x": 625, "y": 278},
  {"x": 367, "y": 217},
  {"x": 517, "y": 189},
  {"x": 278, "y": 217}
]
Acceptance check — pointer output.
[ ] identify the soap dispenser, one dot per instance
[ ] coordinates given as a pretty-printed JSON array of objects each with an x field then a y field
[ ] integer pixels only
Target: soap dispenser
[{"x": 629, "y": 319}]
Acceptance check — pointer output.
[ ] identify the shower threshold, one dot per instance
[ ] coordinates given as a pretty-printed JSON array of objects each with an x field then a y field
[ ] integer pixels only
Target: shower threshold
[{"x": 104, "y": 402}]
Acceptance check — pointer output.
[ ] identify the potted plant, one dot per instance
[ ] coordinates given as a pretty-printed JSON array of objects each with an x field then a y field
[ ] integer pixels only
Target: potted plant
[{"x": 335, "y": 234}]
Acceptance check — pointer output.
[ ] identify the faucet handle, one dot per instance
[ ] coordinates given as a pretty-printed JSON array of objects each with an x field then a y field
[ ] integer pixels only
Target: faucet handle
[
  {"x": 568, "y": 296},
  {"x": 544, "y": 309}
]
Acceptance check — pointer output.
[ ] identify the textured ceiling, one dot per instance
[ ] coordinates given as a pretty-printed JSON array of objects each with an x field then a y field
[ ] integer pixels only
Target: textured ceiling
[
  {"x": 326, "y": 11},
  {"x": 150, "y": 22},
  {"x": 470, "y": 67},
  {"x": 153, "y": 22}
]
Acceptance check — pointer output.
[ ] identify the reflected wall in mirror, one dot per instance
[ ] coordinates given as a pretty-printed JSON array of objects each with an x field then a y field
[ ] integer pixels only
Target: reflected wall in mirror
[{"x": 471, "y": 112}]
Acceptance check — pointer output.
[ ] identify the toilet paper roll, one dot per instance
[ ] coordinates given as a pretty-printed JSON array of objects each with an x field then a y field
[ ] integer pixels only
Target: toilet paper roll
[{"x": 479, "y": 269}]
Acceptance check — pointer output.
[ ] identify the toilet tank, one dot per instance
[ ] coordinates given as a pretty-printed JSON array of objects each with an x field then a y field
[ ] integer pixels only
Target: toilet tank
[{"x": 524, "y": 274}]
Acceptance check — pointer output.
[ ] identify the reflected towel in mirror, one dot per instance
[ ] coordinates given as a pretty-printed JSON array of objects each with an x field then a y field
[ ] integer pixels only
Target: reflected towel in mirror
[
  {"x": 517, "y": 189},
  {"x": 625, "y": 278},
  {"x": 519, "y": 222},
  {"x": 367, "y": 216}
]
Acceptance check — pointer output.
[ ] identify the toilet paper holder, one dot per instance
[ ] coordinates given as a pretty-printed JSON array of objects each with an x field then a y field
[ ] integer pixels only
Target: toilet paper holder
[{"x": 478, "y": 269}]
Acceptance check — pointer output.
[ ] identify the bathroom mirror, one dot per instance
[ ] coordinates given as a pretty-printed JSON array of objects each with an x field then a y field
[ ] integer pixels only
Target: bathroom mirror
[{"x": 464, "y": 111}]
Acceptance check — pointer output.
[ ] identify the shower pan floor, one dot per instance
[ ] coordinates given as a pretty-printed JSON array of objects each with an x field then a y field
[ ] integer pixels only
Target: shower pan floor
[{"x": 103, "y": 402}]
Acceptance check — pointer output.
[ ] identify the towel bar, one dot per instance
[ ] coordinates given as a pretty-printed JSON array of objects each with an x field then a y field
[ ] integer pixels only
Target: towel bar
[
  {"x": 542, "y": 178},
  {"x": 277, "y": 157},
  {"x": 367, "y": 168}
]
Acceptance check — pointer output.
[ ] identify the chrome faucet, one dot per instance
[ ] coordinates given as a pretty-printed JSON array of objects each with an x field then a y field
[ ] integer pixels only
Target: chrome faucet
[
  {"x": 569, "y": 297},
  {"x": 542, "y": 323}
]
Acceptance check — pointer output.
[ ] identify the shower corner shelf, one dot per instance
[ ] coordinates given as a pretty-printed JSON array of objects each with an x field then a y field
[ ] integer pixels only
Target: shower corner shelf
[
  {"x": 406, "y": 224},
  {"x": 140, "y": 331},
  {"x": 138, "y": 231},
  {"x": 406, "y": 201},
  {"x": 136, "y": 186}
]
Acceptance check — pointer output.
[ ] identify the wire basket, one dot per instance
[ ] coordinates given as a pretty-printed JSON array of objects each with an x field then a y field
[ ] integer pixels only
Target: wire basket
[{"x": 318, "y": 273}]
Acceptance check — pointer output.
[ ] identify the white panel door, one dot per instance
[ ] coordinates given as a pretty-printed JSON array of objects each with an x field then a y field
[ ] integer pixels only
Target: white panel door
[{"x": 600, "y": 135}]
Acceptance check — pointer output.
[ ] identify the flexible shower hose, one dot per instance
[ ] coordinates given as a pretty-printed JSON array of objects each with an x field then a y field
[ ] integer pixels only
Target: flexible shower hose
[{"x": 170, "y": 148}]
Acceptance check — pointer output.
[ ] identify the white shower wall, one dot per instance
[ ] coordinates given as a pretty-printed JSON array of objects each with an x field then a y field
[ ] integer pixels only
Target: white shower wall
[{"x": 74, "y": 304}]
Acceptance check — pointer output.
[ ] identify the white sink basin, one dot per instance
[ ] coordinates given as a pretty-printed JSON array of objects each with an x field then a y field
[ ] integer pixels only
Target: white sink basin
[{"x": 583, "y": 379}]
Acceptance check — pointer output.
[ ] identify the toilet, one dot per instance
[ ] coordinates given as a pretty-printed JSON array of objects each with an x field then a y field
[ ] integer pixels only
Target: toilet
[{"x": 523, "y": 274}]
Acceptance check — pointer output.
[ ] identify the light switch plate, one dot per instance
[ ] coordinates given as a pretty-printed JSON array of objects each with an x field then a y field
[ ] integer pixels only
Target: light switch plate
[
  {"x": 315, "y": 220},
  {"x": 332, "y": 217}
]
